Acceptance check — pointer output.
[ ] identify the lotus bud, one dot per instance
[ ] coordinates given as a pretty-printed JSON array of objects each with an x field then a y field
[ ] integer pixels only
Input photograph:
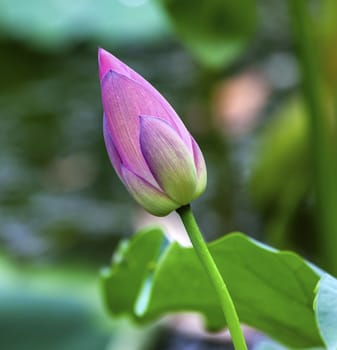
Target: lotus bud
[{"x": 151, "y": 150}]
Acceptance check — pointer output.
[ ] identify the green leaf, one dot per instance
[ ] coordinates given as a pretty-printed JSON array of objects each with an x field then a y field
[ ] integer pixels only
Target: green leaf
[
  {"x": 39, "y": 322},
  {"x": 283, "y": 149},
  {"x": 216, "y": 31},
  {"x": 55, "y": 24},
  {"x": 326, "y": 310},
  {"x": 272, "y": 290},
  {"x": 132, "y": 264}
]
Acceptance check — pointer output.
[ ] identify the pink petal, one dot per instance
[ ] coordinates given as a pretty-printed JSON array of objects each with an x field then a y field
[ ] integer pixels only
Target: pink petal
[
  {"x": 107, "y": 62},
  {"x": 123, "y": 101},
  {"x": 151, "y": 199},
  {"x": 200, "y": 165},
  {"x": 169, "y": 159},
  {"x": 112, "y": 152}
]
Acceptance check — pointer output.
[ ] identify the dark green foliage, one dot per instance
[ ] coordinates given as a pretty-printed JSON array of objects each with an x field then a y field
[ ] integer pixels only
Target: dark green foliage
[{"x": 216, "y": 31}]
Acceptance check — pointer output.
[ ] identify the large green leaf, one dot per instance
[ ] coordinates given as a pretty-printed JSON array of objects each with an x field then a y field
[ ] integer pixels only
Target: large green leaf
[
  {"x": 273, "y": 290},
  {"x": 216, "y": 31},
  {"x": 326, "y": 310}
]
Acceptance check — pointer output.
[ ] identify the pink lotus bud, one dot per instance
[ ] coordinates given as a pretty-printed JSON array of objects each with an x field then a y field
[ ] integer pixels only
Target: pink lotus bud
[{"x": 150, "y": 148}]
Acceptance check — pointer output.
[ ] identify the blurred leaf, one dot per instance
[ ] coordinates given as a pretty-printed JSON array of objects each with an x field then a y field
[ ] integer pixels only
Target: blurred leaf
[
  {"x": 216, "y": 31},
  {"x": 54, "y": 23},
  {"x": 273, "y": 290},
  {"x": 282, "y": 150},
  {"x": 59, "y": 308},
  {"x": 34, "y": 322},
  {"x": 326, "y": 310},
  {"x": 282, "y": 147},
  {"x": 327, "y": 39}
]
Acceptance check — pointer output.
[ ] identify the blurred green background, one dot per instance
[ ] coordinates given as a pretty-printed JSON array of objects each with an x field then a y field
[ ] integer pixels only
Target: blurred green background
[{"x": 229, "y": 69}]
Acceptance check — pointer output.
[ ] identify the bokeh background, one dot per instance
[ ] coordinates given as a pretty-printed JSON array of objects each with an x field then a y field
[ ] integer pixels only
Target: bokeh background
[{"x": 230, "y": 70}]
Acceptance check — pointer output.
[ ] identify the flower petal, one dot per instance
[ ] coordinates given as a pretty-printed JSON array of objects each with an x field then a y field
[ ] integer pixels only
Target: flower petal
[
  {"x": 201, "y": 169},
  {"x": 169, "y": 159},
  {"x": 112, "y": 152},
  {"x": 107, "y": 62},
  {"x": 154, "y": 201},
  {"x": 123, "y": 101},
  {"x": 121, "y": 107}
]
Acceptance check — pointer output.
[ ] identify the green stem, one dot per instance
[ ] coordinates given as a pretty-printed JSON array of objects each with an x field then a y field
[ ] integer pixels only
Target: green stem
[
  {"x": 212, "y": 271},
  {"x": 320, "y": 131}
]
